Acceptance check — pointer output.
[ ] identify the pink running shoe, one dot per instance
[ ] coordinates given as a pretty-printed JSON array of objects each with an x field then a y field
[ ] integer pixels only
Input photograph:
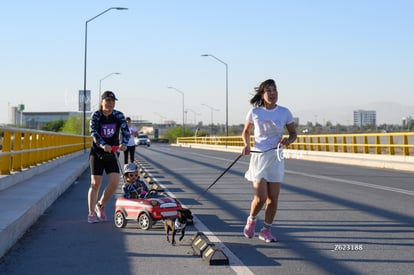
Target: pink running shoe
[
  {"x": 100, "y": 212},
  {"x": 250, "y": 228},
  {"x": 92, "y": 219},
  {"x": 266, "y": 235}
]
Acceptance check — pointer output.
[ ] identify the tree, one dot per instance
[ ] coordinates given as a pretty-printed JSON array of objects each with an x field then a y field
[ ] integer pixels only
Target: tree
[
  {"x": 236, "y": 130},
  {"x": 54, "y": 126},
  {"x": 74, "y": 125},
  {"x": 172, "y": 133}
]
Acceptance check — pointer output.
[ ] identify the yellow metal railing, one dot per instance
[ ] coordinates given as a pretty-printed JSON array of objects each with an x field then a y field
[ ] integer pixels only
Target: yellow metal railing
[
  {"x": 401, "y": 143},
  {"x": 22, "y": 148}
]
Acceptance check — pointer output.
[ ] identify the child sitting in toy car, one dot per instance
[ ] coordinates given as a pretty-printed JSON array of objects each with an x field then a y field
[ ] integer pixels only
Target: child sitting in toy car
[{"x": 133, "y": 187}]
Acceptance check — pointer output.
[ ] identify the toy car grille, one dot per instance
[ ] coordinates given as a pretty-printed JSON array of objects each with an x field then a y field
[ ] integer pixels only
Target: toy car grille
[{"x": 168, "y": 205}]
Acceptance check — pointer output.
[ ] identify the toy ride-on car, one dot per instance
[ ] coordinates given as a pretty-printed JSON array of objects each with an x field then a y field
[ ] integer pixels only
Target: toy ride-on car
[{"x": 146, "y": 211}]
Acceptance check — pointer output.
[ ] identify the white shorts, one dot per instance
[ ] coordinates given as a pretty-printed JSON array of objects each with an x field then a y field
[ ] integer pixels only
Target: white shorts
[{"x": 266, "y": 166}]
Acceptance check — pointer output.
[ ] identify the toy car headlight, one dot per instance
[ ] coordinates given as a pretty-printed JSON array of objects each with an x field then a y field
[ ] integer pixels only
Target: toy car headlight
[{"x": 154, "y": 202}]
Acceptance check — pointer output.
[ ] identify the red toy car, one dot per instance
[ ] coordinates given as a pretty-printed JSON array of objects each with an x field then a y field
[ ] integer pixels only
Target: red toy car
[{"x": 147, "y": 211}]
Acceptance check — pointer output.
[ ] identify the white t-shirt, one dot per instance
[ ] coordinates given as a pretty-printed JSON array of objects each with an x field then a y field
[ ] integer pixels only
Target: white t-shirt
[
  {"x": 132, "y": 131},
  {"x": 268, "y": 125}
]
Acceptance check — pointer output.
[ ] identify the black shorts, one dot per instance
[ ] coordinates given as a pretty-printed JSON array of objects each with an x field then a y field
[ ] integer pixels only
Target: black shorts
[{"x": 98, "y": 166}]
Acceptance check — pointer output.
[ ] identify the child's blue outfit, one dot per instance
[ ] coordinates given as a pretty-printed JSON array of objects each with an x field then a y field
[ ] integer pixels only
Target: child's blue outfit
[{"x": 137, "y": 189}]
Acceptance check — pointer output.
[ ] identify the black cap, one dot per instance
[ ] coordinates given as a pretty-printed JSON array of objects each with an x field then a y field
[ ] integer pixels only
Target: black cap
[{"x": 109, "y": 94}]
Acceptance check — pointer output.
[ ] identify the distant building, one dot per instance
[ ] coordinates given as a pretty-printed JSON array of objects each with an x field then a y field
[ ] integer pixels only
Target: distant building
[
  {"x": 36, "y": 120},
  {"x": 365, "y": 118},
  {"x": 407, "y": 122}
]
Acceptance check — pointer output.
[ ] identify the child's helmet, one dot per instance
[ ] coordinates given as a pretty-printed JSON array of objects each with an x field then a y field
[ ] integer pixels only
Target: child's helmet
[{"x": 130, "y": 167}]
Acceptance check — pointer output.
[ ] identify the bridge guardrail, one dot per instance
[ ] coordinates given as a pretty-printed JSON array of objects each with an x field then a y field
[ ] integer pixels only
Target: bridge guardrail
[
  {"x": 34, "y": 147},
  {"x": 401, "y": 143}
]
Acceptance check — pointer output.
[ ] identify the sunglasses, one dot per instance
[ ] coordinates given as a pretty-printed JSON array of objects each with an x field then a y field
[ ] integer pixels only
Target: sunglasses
[{"x": 130, "y": 175}]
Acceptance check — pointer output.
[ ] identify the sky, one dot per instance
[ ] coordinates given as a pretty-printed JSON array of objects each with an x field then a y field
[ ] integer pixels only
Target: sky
[{"x": 328, "y": 57}]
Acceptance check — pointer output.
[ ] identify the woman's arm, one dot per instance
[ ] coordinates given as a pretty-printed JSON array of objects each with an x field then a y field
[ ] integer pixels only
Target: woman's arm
[
  {"x": 246, "y": 137},
  {"x": 292, "y": 134}
]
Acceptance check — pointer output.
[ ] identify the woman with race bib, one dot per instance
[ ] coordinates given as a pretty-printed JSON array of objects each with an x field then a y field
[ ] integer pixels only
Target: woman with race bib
[{"x": 107, "y": 125}]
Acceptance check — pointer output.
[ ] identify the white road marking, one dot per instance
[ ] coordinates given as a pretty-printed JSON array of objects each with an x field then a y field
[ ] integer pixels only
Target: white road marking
[
  {"x": 235, "y": 263},
  {"x": 354, "y": 182}
]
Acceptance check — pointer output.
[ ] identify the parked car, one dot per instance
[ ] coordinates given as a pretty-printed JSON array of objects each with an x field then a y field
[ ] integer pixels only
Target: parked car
[{"x": 143, "y": 140}]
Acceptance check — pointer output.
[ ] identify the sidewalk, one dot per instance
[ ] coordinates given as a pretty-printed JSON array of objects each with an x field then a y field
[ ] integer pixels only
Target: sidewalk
[{"x": 25, "y": 196}]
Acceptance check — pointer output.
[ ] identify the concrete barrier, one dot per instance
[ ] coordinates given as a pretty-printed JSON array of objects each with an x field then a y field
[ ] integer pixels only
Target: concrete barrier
[{"x": 29, "y": 193}]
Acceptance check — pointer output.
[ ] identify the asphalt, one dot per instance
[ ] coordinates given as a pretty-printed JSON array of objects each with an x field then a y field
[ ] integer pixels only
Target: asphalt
[{"x": 25, "y": 195}]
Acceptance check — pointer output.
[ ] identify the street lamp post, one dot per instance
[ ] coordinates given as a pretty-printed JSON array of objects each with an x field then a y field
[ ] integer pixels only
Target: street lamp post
[
  {"x": 100, "y": 85},
  {"x": 211, "y": 112},
  {"x": 84, "y": 71},
  {"x": 162, "y": 118},
  {"x": 227, "y": 91},
  {"x": 178, "y": 91},
  {"x": 195, "y": 115}
]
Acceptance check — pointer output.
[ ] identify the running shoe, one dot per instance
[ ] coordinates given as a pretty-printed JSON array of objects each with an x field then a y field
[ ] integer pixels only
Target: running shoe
[
  {"x": 250, "y": 228},
  {"x": 92, "y": 219},
  {"x": 100, "y": 212},
  {"x": 266, "y": 235}
]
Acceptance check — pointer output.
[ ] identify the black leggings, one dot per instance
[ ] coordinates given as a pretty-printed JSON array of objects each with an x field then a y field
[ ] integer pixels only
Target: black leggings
[{"x": 130, "y": 151}]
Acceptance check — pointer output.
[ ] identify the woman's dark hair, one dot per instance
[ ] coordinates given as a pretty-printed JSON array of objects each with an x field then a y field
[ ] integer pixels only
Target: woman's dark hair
[{"x": 257, "y": 99}]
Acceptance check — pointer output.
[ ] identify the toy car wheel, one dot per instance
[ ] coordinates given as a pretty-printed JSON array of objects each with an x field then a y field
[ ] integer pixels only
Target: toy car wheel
[
  {"x": 145, "y": 221},
  {"x": 120, "y": 220}
]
